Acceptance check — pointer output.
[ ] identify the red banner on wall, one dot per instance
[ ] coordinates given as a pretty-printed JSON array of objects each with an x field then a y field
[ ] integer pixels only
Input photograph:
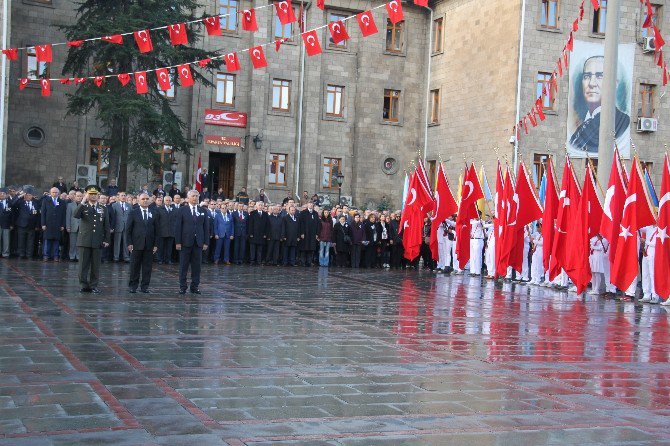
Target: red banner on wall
[{"x": 227, "y": 118}]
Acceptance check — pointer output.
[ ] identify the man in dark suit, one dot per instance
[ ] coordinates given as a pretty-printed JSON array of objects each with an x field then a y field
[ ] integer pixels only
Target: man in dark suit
[
  {"x": 223, "y": 233},
  {"x": 141, "y": 229},
  {"x": 6, "y": 224},
  {"x": 290, "y": 235},
  {"x": 53, "y": 224},
  {"x": 94, "y": 233},
  {"x": 166, "y": 221},
  {"x": 310, "y": 224},
  {"x": 274, "y": 236},
  {"x": 210, "y": 208},
  {"x": 191, "y": 236},
  {"x": 240, "y": 218},
  {"x": 258, "y": 223},
  {"x": 60, "y": 184},
  {"x": 27, "y": 221}
]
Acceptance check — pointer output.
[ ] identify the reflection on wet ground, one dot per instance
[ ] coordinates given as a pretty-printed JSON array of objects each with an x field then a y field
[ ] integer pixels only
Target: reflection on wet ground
[{"x": 312, "y": 356}]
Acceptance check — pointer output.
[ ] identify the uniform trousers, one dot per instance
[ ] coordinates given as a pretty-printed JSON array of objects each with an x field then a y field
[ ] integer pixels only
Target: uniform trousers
[
  {"x": 89, "y": 266},
  {"x": 72, "y": 252},
  {"x": 648, "y": 287},
  {"x": 476, "y": 252}
]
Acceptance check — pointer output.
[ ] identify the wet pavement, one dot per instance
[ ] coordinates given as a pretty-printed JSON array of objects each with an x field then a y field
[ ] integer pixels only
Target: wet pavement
[{"x": 315, "y": 357}]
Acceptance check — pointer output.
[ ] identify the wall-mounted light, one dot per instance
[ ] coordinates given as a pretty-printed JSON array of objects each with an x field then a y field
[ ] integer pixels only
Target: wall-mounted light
[
  {"x": 258, "y": 141},
  {"x": 199, "y": 137}
]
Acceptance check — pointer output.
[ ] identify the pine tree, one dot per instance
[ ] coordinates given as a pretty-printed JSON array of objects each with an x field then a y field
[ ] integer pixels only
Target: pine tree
[{"x": 135, "y": 124}]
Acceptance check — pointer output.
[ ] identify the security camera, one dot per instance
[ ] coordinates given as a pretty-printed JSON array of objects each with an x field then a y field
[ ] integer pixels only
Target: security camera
[{"x": 512, "y": 140}]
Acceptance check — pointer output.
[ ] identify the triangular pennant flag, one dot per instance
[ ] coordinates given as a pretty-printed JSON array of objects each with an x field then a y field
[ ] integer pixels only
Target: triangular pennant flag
[
  {"x": 648, "y": 20},
  {"x": 46, "y": 87},
  {"x": 185, "y": 77},
  {"x": 213, "y": 25},
  {"x": 116, "y": 38},
  {"x": 98, "y": 80},
  {"x": 596, "y": 4},
  {"x": 662, "y": 258},
  {"x": 421, "y": 2},
  {"x": 285, "y": 12},
  {"x": 581, "y": 11},
  {"x": 321, "y": 4},
  {"x": 338, "y": 31},
  {"x": 575, "y": 26},
  {"x": 143, "y": 40},
  {"x": 178, "y": 34},
  {"x": 123, "y": 78},
  {"x": 258, "y": 57},
  {"x": 312, "y": 45},
  {"x": 531, "y": 116},
  {"x": 660, "y": 61},
  {"x": 79, "y": 80},
  {"x": 11, "y": 53},
  {"x": 539, "y": 108},
  {"x": 43, "y": 53},
  {"x": 665, "y": 75},
  {"x": 66, "y": 81},
  {"x": 394, "y": 10},
  {"x": 366, "y": 23},
  {"x": 559, "y": 65},
  {"x": 163, "y": 77},
  {"x": 141, "y": 85},
  {"x": 204, "y": 62},
  {"x": 232, "y": 62},
  {"x": 249, "y": 20},
  {"x": 571, "y": 43},
  {"x": 22, "y": 83},
  {"x": 658, "y": 39}
]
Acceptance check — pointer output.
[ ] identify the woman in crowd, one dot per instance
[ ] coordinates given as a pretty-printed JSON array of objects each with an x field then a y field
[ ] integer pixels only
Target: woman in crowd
[
  {"x": 386, "y": 237},
  {"x": 342, "y": 240},
  {"x": 373, "y": 241},
  {"x": 325, "y": 238},
  {"x": 357, "y": 241},
  {"x": 396, "y": 247}
]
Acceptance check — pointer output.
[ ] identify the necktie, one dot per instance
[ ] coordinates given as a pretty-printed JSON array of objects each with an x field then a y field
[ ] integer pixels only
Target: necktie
[
  {"x": 145, "y": 214},
  {"x": 55, "y": 202}
]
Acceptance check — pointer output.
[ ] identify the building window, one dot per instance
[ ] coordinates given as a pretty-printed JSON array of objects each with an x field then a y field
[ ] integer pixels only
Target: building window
[
  {"x": 35, "y": 69},
  {"x": 330, "y": 168},
  {"x": 655, "y": 19},
  {"x": 395, "y": 36},
  {"x": 228, "y": 10},
  {"x": 225, "y": 89},
  {"x": 647, "y": 166},
  {"x": 169, "y": 94},
  {"x": 599, "y": 18},
  {"x": 281, "y": 95},
  {"x": 391, "y": 105},
  {"x": 334, "y": 17},
  {"x": 594, "y": 165},
  {"x": 285, "y": 31},
  {"x": 539, "y": 167},
  {"x": 99, "y": 155},
  {"x": 334, "y": 101},
  {"x": 543, "y": 84},
  {"x": 438, "y": 34},
  {"x": 434, "y": 106},
  {"x": 277, "y": 169},
  {"x": 549, "y": 14},
  {"x": 646, "y": 109},
  {"x": 165, "y": 155}
]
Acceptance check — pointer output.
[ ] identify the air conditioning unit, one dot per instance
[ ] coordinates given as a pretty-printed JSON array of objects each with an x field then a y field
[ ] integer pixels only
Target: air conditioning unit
[
  {"x": 346, "y": 200},
  {"x": 86, "y": 174},
  {"x": 647, "y": 125},
  {"x": 168, "y": 180},
  {"x": 648, "y": 44}
]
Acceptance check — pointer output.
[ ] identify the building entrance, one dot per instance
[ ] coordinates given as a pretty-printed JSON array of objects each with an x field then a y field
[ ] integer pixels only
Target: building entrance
[{"x": 222, "y": 173}]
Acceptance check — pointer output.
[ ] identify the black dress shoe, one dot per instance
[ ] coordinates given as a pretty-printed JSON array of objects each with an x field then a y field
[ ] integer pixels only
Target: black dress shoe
[
  {"x": 146, "y": 291},
  {"x": 85, "y": 290},
  {"x": 95, "y": 291},
  {"x": 195, "y": 291},
  {"x": 182, "y": 291},
  {"x": 132, "y": 290}
]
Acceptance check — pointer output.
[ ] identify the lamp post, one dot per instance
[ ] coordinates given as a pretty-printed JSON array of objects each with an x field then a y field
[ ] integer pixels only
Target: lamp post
[
  {"x": 173, "y": 168},
  {"x": 340, "y": 179}
]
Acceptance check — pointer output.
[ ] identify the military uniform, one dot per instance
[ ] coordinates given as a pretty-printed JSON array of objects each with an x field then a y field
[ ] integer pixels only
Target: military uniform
[{"x": 93, "y": 232}]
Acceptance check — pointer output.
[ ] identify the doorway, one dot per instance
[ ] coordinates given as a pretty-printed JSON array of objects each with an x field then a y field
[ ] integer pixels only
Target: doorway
[{"x": 222, "y": 173}]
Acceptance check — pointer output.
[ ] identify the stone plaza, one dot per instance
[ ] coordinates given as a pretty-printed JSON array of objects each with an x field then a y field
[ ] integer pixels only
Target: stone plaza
[{"x": 324, "y": 357}]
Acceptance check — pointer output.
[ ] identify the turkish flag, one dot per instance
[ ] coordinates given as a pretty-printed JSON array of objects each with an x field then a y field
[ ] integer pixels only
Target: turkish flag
[
  {"x": 66, "y": 81},
  {"x": 662, "y": 259},
  {"x": 568, "y": 201},
  {"x": 499, "y": 209},
  {"x": 660, "y": 61},
  {"x": 412, "y": 232},
  {"x": 321, "y": 4},
  {"x": 445, "y": 205},
  {"x": 98, "y": 80},
  {"x": 11, "y": 53},
  {"x": 539, "y": 107},
  {"x": 141, "y": 82},
  {"x": 79, "y": 80},
  {"x": 46, "y": 87},
  {"x": 43, "y": 53},
  {"x": 530, "y": 208},
  {"x": 575, "y": 26},
  {"x": 178, "y": 34},
  {"x": 418, "y": 193},
  {"x": 258, "y": 57},
  {"x": 531, "y": 117},
  {"x": 212, "y": 25},
  {"x": 163, "y": 77},
  {"x": 421, "y": 2},
  {"x": 658, "y": 39},
  {"x": 198, "y": 175},
  {"x": 232, "y": 62},
  {"x": 312, "y": 44},
  {"x": 185, "y": 77},
  {"x": 124, "y": 78},
  {"x": 637, "y": 213},
  {"x": 559, "y": 65},
  {"x": 509, "y": 233},
  {"x": 648, "y": 20},
  {"x": 472, "y": 191},
  {"x": 338, "y": 31},
  {"x": 143, "y": 40},
  {"x": 204, "y": 62},
  {"x": 596, "y": 4},
  {"x": 116, "y": 38},
  {"x": 249, "y": 22},
  {"x": 75, "y": 43},
  {"x": 577, "y": 266},
  {"x": 22, "y": 83},
  {"x": 394, "y": 9},
  {"x": 615, "y": 196},
  {"x": 571, "y": 43},
  {"x": 366, "y": 23},
  {"x": 285, "y": 12}
]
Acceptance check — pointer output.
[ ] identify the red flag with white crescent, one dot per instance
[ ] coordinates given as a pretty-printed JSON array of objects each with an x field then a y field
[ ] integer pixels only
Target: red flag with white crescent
[
  {"x": 338, "y": 31},
  {"x": 662, "y": 259},
  {"x": 141, "y": 85},
  {"x": 311, "y": 41},
  {"x": 445, "y": 206},
  {"x": 568, "y": 201},
  {"x": 285, "y": 12},
  {"x": 258, "y": 57},
  {"x": 46, "y": 87},
  {"x": 43, "y": 53},
  {"x": 394, "y": 10},
  {"x": 232, "y": 62},
  {"x": 185, "y": 77},
  {"x": 366, "y": 23},
  {"x": 615, "y": 196},
  {"x": 163, "y": 77},
  {"x": 178, "y": 34},
  {"x": 198, "y": 175},
  {"x": 249, "y": 22},
  {"x": 143, "y": 40},
  {"x": 212, "y": 25}
]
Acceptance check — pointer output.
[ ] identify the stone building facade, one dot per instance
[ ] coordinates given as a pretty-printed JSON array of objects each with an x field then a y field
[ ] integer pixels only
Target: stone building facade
[{"x": 359, "y": 108}]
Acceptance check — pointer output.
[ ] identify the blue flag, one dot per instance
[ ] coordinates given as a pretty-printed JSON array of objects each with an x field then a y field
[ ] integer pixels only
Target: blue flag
[
  {"x": 543, "y": 188},
  {"x": 650, "y": 186}
]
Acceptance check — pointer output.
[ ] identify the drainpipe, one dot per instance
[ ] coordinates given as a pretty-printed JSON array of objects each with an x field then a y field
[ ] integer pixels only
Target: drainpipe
[
  {"x": 430, "y": 50},
  {"x": 3, "y": 91},
  {"x": 298, "y": 143},
  {"x": 518, "y": 80}
]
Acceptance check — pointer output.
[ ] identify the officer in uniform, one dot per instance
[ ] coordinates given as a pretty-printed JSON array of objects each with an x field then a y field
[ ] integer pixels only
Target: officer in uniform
[{"x": 93, "y": 235}]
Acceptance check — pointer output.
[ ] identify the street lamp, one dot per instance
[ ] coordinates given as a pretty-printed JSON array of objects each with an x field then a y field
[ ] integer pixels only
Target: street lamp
[
  {"x": 198, "y": 137},
  {"x": 258, "y": 141},
  {"x": 173, "y": 168},
  {"x": 340, "y": 179}
]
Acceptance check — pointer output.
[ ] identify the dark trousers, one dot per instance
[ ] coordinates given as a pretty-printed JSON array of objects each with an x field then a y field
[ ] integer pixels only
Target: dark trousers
[
  {"x": 26, "y": 242},
  {"x": 355, "y": 256},
  {"x": 341, "y": 258},
  {"x": 89, "y": 266},
  {"x": 255, "y": 252},
  {"x": 140, "y": 260},
  {"x": 164, "y": 252},
  {"x": 222, "y": 244},
  {"x": 370, "y": 255},
  {"x": 190, "y": 256},
  {"x": 272, "y": 255},
  {"x": 240, "y": 245},
  {"x": 289, "y": 255},
  {"x": 51, "y": 248},
  {"x": 307, "y": 257}
]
